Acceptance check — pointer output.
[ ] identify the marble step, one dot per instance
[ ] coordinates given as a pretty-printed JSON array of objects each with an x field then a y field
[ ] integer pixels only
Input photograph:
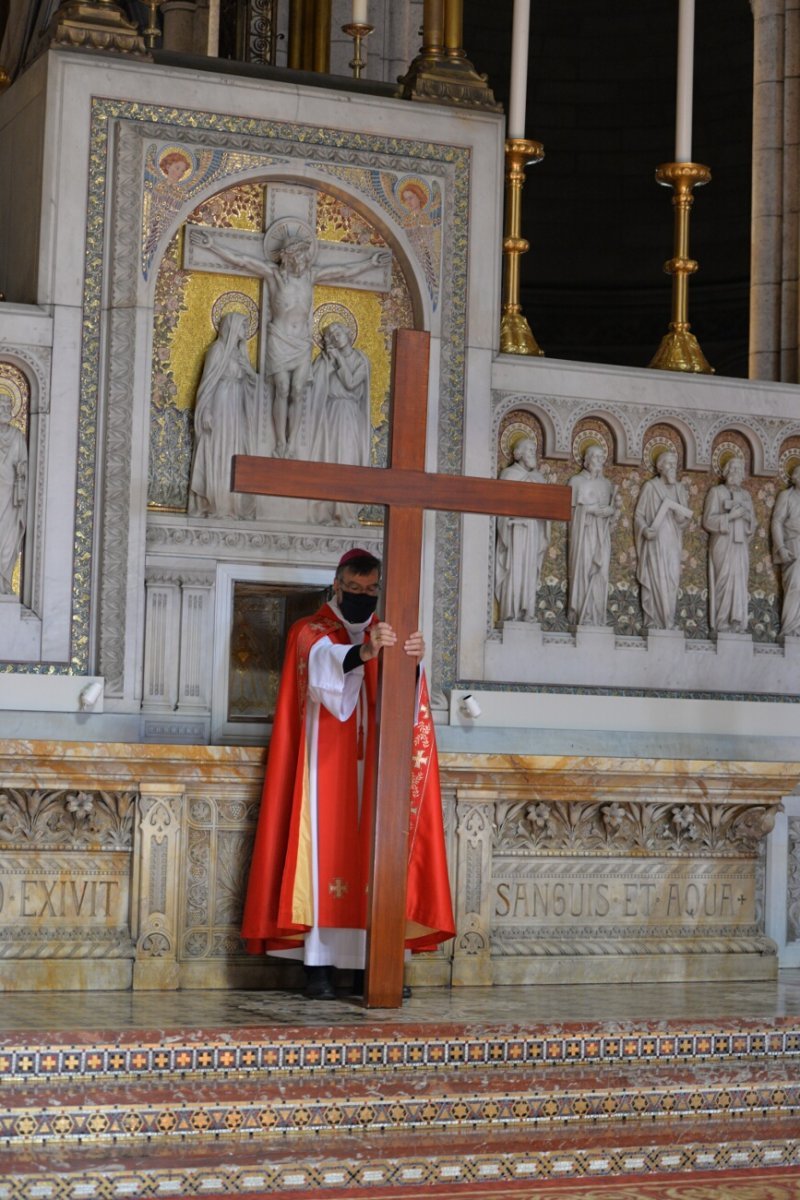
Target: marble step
[
  {"x": 373, "y": 1045},
  {"x": 373, "y": 1164},
  {"x": 396, "y": 1102}
]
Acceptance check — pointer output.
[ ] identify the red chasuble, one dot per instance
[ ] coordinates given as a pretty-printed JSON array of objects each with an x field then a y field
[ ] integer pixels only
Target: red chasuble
[{"x": 279, "y": 906}]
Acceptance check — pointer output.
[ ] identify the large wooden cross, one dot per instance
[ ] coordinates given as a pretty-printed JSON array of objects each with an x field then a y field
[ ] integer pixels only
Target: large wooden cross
[{"x": 406, "y": 490}]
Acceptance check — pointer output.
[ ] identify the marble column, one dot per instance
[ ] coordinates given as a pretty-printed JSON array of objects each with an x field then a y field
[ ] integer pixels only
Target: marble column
[
  {"x": 776, "y": 191},
  {"x": 179, "y": 22}
]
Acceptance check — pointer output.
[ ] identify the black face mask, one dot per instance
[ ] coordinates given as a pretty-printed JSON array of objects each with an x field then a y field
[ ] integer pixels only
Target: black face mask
[{"x": 357, "y": 607}]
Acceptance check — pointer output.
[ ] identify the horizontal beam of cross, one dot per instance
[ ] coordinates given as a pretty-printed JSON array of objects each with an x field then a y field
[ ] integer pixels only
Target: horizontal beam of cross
[{"x": 402, "y": 488}]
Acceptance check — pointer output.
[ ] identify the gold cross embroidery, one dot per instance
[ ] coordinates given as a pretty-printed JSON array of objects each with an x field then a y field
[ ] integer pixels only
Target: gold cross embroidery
[
  {"x": 338, "y": 888},
  {"x": 420, "y": 759}
]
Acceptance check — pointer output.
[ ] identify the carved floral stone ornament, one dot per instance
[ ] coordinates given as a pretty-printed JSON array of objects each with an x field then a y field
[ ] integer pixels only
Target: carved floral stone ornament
[
  {"x": 622, "y": 828},
  {"x": 67, "y": 819}
]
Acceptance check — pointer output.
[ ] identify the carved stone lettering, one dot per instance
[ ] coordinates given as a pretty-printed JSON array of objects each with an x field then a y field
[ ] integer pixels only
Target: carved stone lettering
[
  {"x": 72, "y": 890},
  {"x": 614, "y": 894}
]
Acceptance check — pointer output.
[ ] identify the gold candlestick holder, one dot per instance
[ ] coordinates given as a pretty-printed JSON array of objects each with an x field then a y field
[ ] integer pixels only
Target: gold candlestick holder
[
  {"x": 515, "y": 332},
  {"x": 151, "y": 32},
  {"x": 358, "y": 32},
  {"x": 680, "y": 349}
]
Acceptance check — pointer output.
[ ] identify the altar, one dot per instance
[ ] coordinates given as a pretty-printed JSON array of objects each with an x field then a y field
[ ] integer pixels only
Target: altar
[{"x": 609, "y": 791}]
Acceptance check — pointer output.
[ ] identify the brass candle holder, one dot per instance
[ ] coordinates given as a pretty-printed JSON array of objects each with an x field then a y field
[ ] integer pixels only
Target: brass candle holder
[
  {"x": 679, "y": 349},
  {"x": 358, "y": 31},
  {"x": 515, "y": 332},
  {"x": 151, "y": 32}
]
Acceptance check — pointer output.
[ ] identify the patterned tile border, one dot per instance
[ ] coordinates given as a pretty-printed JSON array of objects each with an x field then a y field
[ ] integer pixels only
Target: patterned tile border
[
  {"x": 222, "y": 1054},
  {"x": 366, "y": 1176},
  {"x": 174, "y": 1118}
]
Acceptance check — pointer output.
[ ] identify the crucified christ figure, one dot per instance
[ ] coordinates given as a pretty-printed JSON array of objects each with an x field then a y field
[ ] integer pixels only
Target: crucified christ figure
[{"x": 289, "y": 276}]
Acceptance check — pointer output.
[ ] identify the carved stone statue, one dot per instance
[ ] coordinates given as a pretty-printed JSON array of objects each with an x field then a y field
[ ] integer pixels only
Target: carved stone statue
[
  {"x": 340, "y": 413},
  {"x": 729, "y": 519},
  {"x": 521, "y": 545},
  {"x": 13, "y": 494},
  {"x": 662, "y": 513},
  {"x": 289, "y": 283},
  {"x": 225, "y": 423},
  {"x": 595, "y": 510},
  {"x": 786, "y": 551}
]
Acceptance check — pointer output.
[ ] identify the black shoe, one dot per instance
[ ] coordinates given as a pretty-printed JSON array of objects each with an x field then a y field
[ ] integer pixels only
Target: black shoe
[
  {"x": 319, "y": 983},
  {"x": 407, "y": 993}
]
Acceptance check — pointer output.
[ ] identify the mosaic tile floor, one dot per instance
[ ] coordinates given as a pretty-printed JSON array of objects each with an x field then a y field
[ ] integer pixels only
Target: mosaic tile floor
[{"x": 501, "y": 1094}]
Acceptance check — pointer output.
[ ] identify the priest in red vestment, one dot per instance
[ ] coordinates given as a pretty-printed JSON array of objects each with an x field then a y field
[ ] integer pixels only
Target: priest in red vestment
[{"x": 307, "y": 890}]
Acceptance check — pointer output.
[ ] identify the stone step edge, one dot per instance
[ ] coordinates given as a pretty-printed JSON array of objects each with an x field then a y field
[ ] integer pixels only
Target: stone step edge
[
  {"x": 228, "y": 1052},
  {"x": 362, "y": 1168}
]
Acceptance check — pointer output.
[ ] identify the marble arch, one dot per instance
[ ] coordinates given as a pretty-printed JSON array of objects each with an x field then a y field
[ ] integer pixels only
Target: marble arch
[{"x": 125, "y": 360}]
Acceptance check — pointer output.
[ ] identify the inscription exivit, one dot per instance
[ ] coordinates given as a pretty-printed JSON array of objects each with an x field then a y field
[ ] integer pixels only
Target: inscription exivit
[
  {"x": 618, "y": 900},
  {"x": 72, "y": 899}
]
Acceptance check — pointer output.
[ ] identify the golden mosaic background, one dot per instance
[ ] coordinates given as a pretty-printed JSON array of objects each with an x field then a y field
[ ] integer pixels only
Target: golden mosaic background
[
  {"x": 624, "y": 610},
  {"x": 14, "y": 384},
  {"x": 183, "y": 329}
]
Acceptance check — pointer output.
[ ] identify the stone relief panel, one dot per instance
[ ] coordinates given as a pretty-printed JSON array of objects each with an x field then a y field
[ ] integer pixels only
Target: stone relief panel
[
  {"x": 618, "y": 828},
  {"x": 219, "y": 837},
  {"x": 69, "y": 820},
  {"x": 65, "y": 865},
  {"x": 793, "y": 892},
  {"x": 191, "y": 304},
  {"x": 545, "y": 884},
  {"x": 625, "y": 613},
  {"x": 176, "y": 156}
]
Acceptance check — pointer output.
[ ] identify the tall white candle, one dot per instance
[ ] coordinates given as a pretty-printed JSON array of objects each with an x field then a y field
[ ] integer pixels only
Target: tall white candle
[
  {"x": 212, "y": 44},
  {"x": 683, "y": 100},
  {"x": 519, "y": 68},
  {"x": 359, "y": 12}
]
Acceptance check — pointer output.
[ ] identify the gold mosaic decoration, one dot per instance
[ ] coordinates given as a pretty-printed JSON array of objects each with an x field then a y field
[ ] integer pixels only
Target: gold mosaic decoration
[
  {"x": 790, "y": 457},
  {"x": 445, "y": 161},
  {"x": 14, "y": 385}
]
